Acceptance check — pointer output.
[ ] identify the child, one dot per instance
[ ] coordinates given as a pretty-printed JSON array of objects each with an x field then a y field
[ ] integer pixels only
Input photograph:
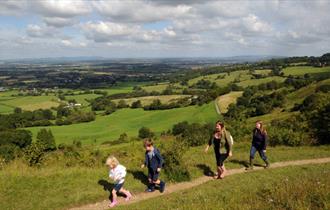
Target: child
[
  {"x": 154, "y": 161},
  {"x": 117, "y": 173}
]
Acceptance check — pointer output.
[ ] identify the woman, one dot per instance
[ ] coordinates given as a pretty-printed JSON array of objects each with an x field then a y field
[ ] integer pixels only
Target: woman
[
  {"x": 259, "y": 143},
  {"x": 220, "y": 136}
]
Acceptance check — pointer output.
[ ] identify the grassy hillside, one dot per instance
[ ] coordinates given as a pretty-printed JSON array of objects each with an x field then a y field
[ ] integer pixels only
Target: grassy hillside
[
  {"x": 107, "y": 128},
  {"x": 299, "y": 187},
  {"x": 146, "y": 100},
  {"x": 301, "y": 70},
  {"x": 225, "y": 100},
  {"x": 30, "y": 102},
  {"x": 57, "y": 185}
]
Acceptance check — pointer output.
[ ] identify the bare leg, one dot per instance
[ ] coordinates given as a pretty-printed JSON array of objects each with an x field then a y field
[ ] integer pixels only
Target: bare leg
[
  {"x": 126, "y": 192},
  {"x": 223, "y": 171}
]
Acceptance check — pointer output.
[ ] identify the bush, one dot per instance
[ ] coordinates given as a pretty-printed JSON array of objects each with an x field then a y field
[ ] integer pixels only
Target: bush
[
  {"x": 45, "y": 140},
  {"x": 174, "y": 166},
  {"x": 8, "y": 152},
  {"x": 197, "y": 134},
  {"x": 34, "y": 153},
  {"x": 292, "y": 132},
  {"x": 145, "y": 132},
  {"x": 321, "y": 125},
  {"x": 180, "y": 128}
]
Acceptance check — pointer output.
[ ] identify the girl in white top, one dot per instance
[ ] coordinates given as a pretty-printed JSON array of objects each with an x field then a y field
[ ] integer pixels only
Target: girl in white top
[{"x": 117, "y": 173}]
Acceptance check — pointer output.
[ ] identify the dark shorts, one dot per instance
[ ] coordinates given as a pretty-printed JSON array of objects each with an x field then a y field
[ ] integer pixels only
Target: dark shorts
[
  {"x": 153, "y": 175},
  {"x": 117, "y": 187}
]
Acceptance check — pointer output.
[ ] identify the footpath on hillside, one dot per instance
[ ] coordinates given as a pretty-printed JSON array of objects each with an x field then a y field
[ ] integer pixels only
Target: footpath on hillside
[{"x": 186, "y": 185}]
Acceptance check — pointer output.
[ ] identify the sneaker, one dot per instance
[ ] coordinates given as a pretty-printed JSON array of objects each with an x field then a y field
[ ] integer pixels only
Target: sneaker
[
  {"x": 128, "y": 196},
  {"x": 150, "y": 189},
  {"x": 267, "y": 165},
  {"x": 113, "y": 204},
  {"x": 162, "y": 186}
]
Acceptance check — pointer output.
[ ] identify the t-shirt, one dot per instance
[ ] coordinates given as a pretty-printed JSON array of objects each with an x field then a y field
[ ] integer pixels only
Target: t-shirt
[{"x": 118, "y": 174}]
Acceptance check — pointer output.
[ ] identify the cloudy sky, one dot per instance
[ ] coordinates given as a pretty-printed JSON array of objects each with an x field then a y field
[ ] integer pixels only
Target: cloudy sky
[{"x": 163, "y": 28}]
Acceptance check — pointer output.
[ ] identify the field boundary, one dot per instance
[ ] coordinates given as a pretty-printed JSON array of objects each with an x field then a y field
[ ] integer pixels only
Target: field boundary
[{"x": 196, "y": 182}]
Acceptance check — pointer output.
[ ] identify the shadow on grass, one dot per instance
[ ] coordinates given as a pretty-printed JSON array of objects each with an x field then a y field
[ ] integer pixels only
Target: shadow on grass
[
  {"x": 107, "y": 186},
  {"x": 139, "y": 175},
  {"x": 240, "y": 162},
  {"x": 207, "y": 171}
]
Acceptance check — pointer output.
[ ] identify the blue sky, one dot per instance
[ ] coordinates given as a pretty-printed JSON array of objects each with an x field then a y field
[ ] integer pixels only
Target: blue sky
[{"x": 159, "y": 28}]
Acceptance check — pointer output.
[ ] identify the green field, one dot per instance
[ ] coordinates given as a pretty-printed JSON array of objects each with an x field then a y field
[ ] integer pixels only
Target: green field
[
  {"x": 252, "y": 82},
  {"x": 299, "y": 95},
  {"x": 82, "y": 98},
  {"x": 107, "y": 128},
  {"x": 301, "y": 70},
  {"x": 225, "y": 100},
  {"x": 146, "y": 100},
  {"x": 58, "y": 186},
  {"x": 231, "y": 77},
  {"x": 30, "y": 102},
  {"x": 5, "y": 109}
]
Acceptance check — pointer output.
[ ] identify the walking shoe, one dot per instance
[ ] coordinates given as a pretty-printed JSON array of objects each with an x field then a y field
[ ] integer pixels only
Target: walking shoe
[
  {"x": 267, "y": 165},
  {"x": 162, "y": 186}
]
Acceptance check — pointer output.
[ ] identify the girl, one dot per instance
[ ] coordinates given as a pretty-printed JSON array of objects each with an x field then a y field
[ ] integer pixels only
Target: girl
[
  {"x": 259, "y": 143},
  {"x": 219, "y": 136},
  {"x": 117, "y": 173}
]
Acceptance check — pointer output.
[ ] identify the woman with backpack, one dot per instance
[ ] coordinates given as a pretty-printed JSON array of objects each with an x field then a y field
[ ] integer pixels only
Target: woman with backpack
[
  {"x": 220, "y": 137},
  {"x": 259, "y": 143}
]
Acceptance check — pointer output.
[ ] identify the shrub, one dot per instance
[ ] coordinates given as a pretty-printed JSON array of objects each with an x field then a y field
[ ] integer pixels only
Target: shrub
[
  {"x": 145, "y": 132},
  {"x": 46, "y": 140},
  {"x": 34, "y": 153},
  {"x": 174, "y": 166}
]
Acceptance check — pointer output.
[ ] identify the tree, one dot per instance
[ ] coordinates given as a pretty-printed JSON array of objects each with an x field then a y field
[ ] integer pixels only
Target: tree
[
  {"x": 321, "y": 124},
  {"x": 145, "y": 132},
  {"x": 18, "y": 110},
  {"x": 122, "y": 104},
  {"x": 136, "y": 104},
  {"x": 46, "y": 140}
]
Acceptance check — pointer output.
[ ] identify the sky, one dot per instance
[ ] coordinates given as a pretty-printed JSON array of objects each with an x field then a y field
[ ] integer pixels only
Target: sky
[{"x": 163, "y": 28}]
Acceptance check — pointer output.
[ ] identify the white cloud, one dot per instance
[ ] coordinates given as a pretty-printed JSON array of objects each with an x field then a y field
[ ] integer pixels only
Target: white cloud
[
  {"x": 138, "y": 10},
  {"x": 58, "y": 21},
  {"x": 12, "y": 7},
  {"x": 61, "y": 8},
  {"x": 174, "y": 27},
  {"x": 40, "y": 31}
]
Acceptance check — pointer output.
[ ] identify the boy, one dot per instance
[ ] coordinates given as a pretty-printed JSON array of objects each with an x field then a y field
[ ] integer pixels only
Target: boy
[{"x": 154, "y": 161}]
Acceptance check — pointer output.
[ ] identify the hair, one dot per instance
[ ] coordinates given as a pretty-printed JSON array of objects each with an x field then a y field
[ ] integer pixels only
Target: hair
[
  {"x": 262, "y": 128},
  {"x": 222, "y": 125},
  {"x": 112, "y": 161},
  {"x": 148, "y": 143}
]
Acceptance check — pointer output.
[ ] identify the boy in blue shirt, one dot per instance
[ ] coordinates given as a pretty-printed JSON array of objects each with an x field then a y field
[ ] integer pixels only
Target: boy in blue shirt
[{"x": 154, "y": 161}]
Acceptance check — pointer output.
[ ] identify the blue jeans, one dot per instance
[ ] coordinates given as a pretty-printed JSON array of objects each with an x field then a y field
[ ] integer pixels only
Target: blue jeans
[{"x": 260, "y": 151}]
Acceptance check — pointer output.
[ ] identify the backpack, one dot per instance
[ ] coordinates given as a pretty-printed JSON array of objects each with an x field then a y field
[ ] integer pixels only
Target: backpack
[{"x": 229, "y": 140}]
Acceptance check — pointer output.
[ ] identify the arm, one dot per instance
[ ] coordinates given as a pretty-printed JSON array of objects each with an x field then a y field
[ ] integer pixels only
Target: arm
[
  {"x": 229, "y": 147},
  {"x": 265, "y": 141},
  {"x": 160, "y": 159},
  {"x": 208, "y": 144},
  {"x": 145, "y": 163}
]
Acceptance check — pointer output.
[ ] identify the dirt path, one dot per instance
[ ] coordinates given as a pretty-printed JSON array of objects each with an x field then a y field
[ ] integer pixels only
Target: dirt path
[
  {"x": 217, "y": 106},
  {"x": 186, "y": 185}
]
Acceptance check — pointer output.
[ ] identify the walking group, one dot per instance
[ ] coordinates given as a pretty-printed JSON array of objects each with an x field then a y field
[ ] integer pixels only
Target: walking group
[{"x": 154, "y": 161}]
